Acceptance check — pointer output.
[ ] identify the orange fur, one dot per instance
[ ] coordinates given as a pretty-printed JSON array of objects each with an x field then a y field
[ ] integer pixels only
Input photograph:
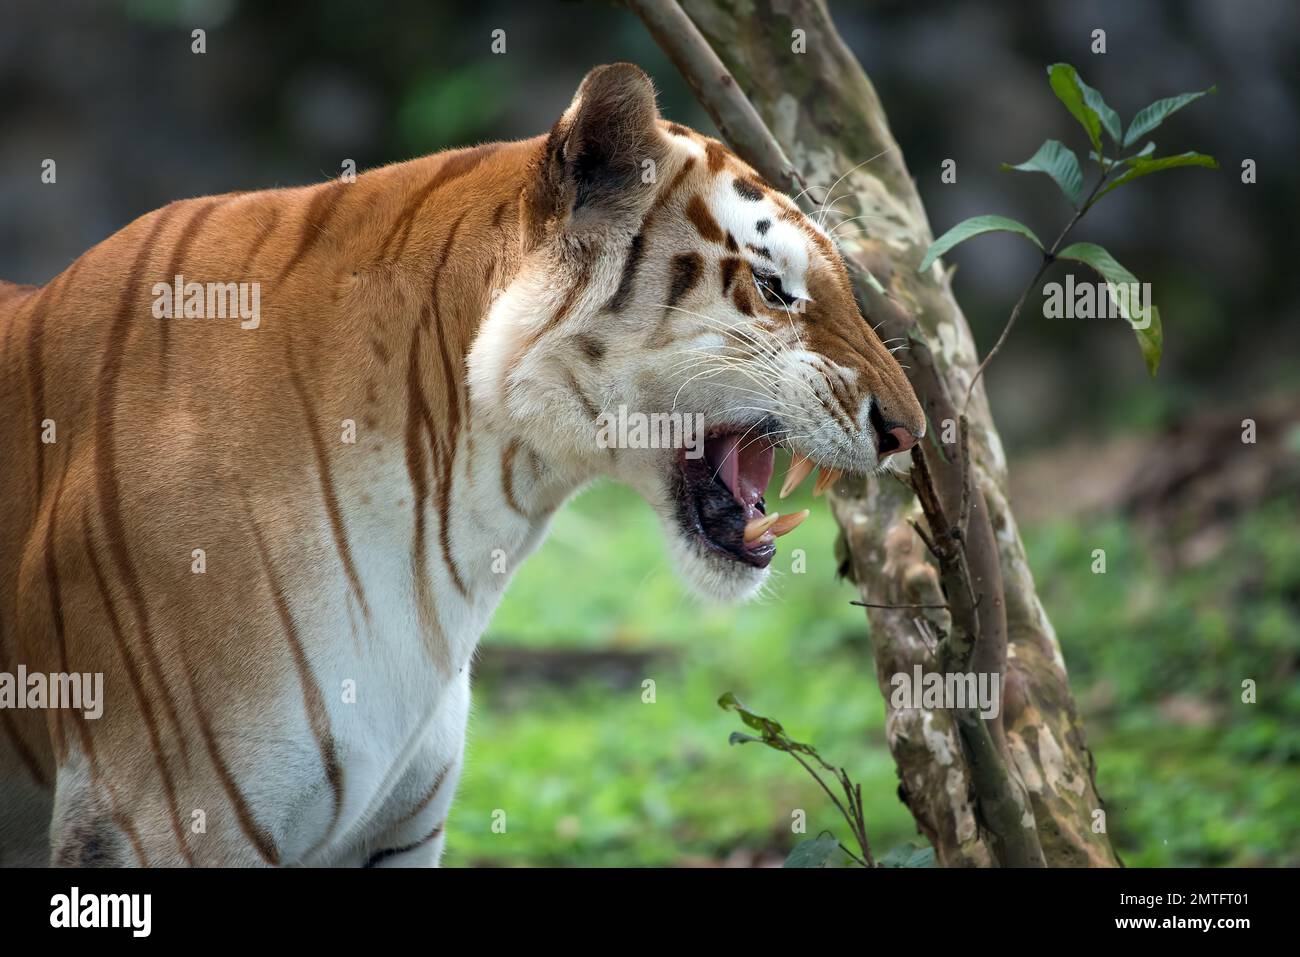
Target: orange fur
[{"x": 180, "y": 434}]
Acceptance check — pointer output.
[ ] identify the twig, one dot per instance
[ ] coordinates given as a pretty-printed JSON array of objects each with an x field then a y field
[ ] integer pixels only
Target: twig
[
  {"x": 963, "y": 512},
  {"x": 1049, "y": 257},
  {"x": 868, "y": 604},
  {"x": 716, "y": 89},
  {"x": 902, "y": 478},
  {"x": 853, "y": 814},
  {"x": 929, "y": 543},
  {"x": 930, "y": 641},
  {"x": 862, "y": 824},
  {"x": 855, "y": 857},
  {"x": 816, "y": 777},
  {"x": 1006, "y": 330},
  {"x": 931, "y": 503},
  {"x": 854, "y": 793},
  {"x": 947, "y": 543}
]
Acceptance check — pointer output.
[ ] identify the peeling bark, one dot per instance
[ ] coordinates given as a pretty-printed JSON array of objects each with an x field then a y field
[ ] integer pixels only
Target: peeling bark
[{"x": 827, "y": 119}]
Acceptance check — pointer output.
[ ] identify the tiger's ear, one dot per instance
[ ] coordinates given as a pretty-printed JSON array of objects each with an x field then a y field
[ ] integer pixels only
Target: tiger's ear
[{"x": 598, "y": 151}]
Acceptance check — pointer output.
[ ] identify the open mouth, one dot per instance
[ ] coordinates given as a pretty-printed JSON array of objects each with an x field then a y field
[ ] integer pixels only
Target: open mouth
[{"x": 721, "y": 494}]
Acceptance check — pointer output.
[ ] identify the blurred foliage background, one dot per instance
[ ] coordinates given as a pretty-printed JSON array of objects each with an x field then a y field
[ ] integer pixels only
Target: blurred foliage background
[{"x": 1202, "y": 587}]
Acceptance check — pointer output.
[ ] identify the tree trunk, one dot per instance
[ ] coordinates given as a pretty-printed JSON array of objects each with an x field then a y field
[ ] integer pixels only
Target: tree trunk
[{"x": 826, "y": 117}]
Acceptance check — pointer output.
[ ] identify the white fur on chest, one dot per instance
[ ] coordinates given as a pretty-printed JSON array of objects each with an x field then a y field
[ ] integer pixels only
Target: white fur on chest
[{"x": 394, "y": 708}]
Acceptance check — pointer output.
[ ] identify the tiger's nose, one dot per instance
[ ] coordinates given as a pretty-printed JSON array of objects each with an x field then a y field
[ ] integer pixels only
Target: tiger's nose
[
  {"x": 890, "y": 438},
  {"x": 897, "y": 439}
]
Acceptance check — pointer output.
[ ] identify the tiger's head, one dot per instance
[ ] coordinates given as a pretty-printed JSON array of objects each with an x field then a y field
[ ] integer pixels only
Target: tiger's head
[{"x": 666, "y": 292}]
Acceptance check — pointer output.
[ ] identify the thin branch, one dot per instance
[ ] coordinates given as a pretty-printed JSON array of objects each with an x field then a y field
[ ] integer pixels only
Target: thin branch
[
  {"x": 930, "y": 641},
  {"x": 904, "y": 479},
  {"x": 869, "y": 604},
  {"x": 855, "y": 857},
  {"x": 1006, "y": 330},
  {"x": 1049, "y": 257},
  {"x": 862, "y": 826},
  {"x": 856, "y": 823},
  {"x": 716, "y": 89},
  {"x": 929, "y": 543},
  {"x": 816, "y": 777},
  {"x": 967, "y": 480},
  {"x": 853, "y": 815},
  {"x": 928, "y": 494}
]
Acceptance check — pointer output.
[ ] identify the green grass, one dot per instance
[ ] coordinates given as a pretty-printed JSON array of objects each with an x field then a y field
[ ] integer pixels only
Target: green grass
[
  {"x": 595, "y": 775},
  {"x": 1220, "y": 790}
]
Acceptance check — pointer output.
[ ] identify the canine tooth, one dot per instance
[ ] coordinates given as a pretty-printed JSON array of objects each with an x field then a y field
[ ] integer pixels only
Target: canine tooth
[
  {"x": 799, "y": 469},
  {"x": 789, "y": 523},
  {"x": 825, "y": 480},
  {"x": 756, "y": 527}
]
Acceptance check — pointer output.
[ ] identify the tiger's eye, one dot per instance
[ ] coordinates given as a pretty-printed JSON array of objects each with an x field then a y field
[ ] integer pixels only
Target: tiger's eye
[{"x": 769, "y": 284}]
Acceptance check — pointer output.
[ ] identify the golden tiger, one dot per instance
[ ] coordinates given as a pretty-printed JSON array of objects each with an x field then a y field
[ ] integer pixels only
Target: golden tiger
[{"x": 277, "y": 523}]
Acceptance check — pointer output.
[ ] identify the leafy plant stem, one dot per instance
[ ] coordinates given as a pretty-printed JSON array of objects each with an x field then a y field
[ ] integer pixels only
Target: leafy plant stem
[
  {"x": 855, "y": 857},
  {"x": 852, "y": 814},
  {"x": 1049, "y": 257}
]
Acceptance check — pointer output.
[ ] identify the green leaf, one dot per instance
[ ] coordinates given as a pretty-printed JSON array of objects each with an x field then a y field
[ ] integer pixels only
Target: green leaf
[
  {"x": 813, "y": 853},
  {"x": 1143, "y": 166},
  {"x": 738, "y": 737},
  {"x": 729, "y": 702},
  {"x": 1109, "y": 118},
  {"x": 1149, "y": 117},
  {"x": 773, "y": 735},
  {"x": 974, "y": 226},
  {"x": 908, "y": 855},
  {"x": 1122, "y": 284},
  {"x": 1145, "y": 151},
  {"x": 1065, "y": 83},
  {"x": 1059, "y": 162},
  {"x": 1151, "y": 341}
]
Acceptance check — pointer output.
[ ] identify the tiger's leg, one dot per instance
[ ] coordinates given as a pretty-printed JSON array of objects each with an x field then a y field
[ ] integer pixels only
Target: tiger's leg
[
  {"x": 130, "y": 823},
  {"x": 87, "y": 831}
]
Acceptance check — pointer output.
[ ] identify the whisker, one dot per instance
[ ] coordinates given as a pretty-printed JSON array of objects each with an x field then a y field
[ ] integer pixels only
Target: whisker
[{"x": 831, "y": 192}]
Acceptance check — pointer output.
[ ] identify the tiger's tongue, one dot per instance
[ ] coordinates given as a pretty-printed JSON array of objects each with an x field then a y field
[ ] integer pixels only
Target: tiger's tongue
[{"x": 744, "y": 469}]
